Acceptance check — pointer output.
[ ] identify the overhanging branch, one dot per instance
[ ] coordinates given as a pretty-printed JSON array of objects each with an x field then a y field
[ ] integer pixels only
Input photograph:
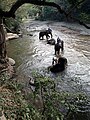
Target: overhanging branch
[
  {"x": 19, "y": 3},
  {"x": 72, "y": 8}
]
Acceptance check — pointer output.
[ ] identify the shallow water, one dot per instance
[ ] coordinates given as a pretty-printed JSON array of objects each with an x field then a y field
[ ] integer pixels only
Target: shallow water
[{"x": 32, "y": 54}]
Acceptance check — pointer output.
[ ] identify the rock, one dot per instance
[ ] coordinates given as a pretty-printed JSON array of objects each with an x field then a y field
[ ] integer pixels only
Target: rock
[
  {"x": 11, "y": 36},
  {"x": 20, "y": 35},
  {"x": 11, "y": 61},
  {"x": 29, "y": 34},
  {"x": 7, "y": 68},
  {"x": 2, "y": 117},
  {"x": 2, "y": 67}
]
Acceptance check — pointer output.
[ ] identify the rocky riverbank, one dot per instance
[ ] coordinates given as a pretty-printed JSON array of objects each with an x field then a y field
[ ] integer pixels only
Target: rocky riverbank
[{"x": 7, "y": 68}]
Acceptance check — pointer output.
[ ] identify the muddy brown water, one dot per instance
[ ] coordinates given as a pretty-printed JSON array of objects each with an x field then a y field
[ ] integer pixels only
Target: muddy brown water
[{"x": 31, "y": 54}]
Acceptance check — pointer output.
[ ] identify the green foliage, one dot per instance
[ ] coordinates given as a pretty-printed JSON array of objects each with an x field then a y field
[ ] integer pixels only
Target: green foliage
[
  {"x": 44, "y": 103},
  {"x": 85, "y": 17},
  {"x": 12, "y": 24},
  {"x": 73, "y": 2},
  {"x": 33, "y": 10},
  {"x": 12, "y": 102},
  {"x": 6, "y": 4},
  {"x": 54, "y": 102},
  {"x": 81, "y": 10},
  {"x": 51, "y": 13},
  {"x": 3, "y": 78}
]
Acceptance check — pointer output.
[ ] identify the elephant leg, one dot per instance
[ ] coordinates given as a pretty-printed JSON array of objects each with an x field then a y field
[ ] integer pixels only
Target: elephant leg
[
  {"x": 42, "y": 37},
  {"x": 47, "y": 36},
  {"x": 39, "y": 37},
  {"x": 55, "y": 52},
  {"x": 62, "y": 46},
  {"x": 58, "y": 52},
  {"x": 51, "y": 35}
]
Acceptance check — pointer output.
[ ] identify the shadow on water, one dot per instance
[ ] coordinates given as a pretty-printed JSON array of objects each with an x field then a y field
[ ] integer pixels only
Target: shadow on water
[{"x": 32, "y": 54}]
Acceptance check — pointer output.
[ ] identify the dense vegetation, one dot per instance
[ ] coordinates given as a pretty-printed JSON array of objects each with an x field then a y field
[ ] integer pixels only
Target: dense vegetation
[
  {"x": 13, "y": 25},
  {"x": 77, "y": 8},
  {"x": 10, "y": 23},
  {"x": 44, "y": 102}
]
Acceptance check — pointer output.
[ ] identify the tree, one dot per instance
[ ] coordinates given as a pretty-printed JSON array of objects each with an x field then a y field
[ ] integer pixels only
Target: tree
[
  {"x": 11, "y": 13},
  {"x": 2, "y": 43}
]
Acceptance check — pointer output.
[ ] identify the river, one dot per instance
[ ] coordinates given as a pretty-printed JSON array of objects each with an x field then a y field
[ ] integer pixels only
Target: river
[{"x": 32, "y": 54}]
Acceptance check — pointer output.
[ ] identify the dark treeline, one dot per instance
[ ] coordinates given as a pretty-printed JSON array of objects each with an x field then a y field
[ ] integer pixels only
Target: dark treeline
[{"x": 77, "y": 8}]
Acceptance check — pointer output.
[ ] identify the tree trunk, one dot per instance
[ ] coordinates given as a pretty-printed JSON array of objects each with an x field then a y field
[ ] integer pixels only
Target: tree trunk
[{"x": 2, "y": 43}]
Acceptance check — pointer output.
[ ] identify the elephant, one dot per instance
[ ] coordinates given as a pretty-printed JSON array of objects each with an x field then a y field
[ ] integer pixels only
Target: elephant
[
  {"x": 59, "y": 46},
  {"x": 51, "y": 41},
  {"x": 60, "y": 66},
  {"x": 47, "y": 33}
]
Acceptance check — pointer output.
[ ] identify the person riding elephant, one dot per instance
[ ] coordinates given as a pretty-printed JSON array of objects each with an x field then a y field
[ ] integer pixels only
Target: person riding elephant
[
  {"x": 46, "y": 33},
  {"x": 49, "y": 31},
  {"x": 57, "y": 48},
  {"x": 59, "y": 45},
  {"x": 58, "y": 40}
]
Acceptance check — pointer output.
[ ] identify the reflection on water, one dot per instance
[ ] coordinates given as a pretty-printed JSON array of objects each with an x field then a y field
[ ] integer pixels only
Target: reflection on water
[{"x": 32, "y": 54}]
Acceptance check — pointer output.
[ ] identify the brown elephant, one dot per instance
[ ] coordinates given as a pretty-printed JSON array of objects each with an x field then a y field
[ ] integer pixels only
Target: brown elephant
[
  {"x": 47, "y": 33},
  {"x": 51, "y": 41}
]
